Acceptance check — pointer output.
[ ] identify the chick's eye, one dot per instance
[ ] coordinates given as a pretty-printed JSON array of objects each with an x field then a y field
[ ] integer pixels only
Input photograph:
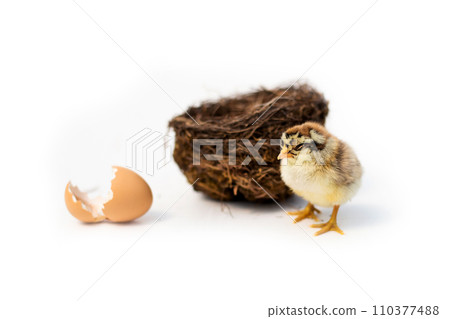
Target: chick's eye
[{"x": 298, "y": 146}]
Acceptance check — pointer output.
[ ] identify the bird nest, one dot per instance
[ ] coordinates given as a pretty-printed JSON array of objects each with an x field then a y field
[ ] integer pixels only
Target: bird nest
[{"x": 229, "y": 122}]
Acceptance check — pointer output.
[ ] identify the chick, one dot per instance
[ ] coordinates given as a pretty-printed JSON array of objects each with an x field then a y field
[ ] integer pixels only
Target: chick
[{"x": 320, "y": 168}]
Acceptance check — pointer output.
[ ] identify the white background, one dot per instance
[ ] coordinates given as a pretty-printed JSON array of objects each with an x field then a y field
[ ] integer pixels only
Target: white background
[{"x": 70, "y": 96}]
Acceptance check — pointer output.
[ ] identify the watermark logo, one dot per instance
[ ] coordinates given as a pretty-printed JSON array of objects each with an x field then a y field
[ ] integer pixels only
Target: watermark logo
[
  {"x": 253, "y": 149},
  {"x": 148, "y": 151},
  {"x": 311, "y": 152}
]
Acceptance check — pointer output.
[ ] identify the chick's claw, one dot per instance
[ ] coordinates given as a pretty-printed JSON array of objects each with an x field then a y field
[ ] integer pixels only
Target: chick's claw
[
  {"x": 307, "y": 212},
  {"x": 331, "y": 225}
]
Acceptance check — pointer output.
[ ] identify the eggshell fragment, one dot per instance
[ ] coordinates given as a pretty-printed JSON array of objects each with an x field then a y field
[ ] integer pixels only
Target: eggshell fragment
[{"x": 76, "y": 208}]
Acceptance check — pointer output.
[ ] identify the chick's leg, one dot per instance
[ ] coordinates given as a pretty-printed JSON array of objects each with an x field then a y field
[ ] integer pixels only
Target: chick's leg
[
  {"x": 307, "y": 212},
  {"x": 329, "y": 225}
]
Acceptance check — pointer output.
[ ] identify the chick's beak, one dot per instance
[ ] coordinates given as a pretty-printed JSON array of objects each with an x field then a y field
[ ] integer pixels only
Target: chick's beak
[{"x": 285, "y": 154}]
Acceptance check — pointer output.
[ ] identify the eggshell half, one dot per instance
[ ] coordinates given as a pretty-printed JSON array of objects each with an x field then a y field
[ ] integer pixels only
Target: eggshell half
[{"x": 132, "y": 197}]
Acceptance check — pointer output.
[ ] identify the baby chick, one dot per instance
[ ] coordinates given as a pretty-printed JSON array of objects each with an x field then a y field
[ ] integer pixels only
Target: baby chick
[{"x": 320, "y": 168}]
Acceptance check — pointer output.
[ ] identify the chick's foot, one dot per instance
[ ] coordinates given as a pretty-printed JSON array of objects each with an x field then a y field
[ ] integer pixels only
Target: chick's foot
[
  {"x": 307, "y": 212},
  {"x": 329, "y": 225}
]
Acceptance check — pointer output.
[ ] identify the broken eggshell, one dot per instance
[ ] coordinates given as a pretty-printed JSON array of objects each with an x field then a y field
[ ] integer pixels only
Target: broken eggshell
[{"x": 126, "y": 198}]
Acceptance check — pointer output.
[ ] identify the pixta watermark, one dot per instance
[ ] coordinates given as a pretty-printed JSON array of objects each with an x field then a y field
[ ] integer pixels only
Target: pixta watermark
[{"x": 149, "y": 150}]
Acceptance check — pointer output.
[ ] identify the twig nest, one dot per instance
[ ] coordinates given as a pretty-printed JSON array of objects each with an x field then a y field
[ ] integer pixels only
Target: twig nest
[{"x": 257, "y": 117}]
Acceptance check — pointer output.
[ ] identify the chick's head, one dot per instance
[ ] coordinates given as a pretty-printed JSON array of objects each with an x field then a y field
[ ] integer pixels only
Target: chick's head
[{"x": 302, "y": 141}]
